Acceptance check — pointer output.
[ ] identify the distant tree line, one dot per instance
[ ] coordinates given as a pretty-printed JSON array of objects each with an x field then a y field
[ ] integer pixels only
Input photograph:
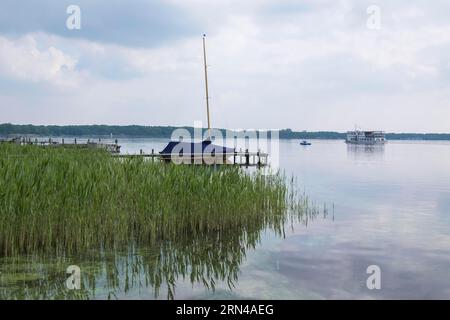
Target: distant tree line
[
  {"x": 8, "y": 129},
  {"x": 289, "y": 134},
  {"x": 86, "y": 130}
]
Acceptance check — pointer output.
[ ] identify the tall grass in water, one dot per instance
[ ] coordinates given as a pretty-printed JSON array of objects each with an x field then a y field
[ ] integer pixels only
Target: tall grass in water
[
  {"x": 62, "y": 201},
  {"x": 204, "y": 259}
]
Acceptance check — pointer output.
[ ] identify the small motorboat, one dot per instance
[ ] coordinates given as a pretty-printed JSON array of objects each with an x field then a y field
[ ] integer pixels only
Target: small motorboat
[{"x": 305, "y": 143}]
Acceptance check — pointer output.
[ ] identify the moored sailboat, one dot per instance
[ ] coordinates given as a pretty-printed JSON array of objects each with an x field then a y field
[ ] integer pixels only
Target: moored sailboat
[{"x": 204, "y": 152}]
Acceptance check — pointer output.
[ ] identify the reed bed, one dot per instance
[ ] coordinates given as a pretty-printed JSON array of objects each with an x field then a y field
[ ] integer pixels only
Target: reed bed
[{"x": 65, "y": 200}]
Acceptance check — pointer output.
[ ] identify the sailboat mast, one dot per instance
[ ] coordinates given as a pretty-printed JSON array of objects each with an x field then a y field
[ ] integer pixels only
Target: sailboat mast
[{"x": 206, "y": 86}]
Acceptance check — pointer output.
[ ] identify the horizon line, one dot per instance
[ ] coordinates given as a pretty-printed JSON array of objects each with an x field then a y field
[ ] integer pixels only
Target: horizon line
[{"x": 223, "y": 128}]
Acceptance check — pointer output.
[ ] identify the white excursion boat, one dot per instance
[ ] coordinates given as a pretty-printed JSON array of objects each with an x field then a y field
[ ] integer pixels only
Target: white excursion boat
[{"x": 365, "y": 137}]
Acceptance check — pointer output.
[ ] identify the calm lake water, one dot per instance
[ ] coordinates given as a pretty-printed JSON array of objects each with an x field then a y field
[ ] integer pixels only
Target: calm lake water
[{"x": 387, "y": 206}]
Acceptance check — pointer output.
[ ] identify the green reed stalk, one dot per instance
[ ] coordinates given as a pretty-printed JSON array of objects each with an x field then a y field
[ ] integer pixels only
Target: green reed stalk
[{"x": 66, "y": 200}]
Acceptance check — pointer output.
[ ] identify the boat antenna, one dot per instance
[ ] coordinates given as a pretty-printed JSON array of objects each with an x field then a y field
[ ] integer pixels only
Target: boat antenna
[{"x": 206, "y": 87}]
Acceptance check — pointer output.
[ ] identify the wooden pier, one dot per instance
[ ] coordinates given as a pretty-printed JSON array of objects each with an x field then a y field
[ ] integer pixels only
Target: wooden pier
[
  {"x": 241, "y": 158},
  {"x": 113, "y": 148}
]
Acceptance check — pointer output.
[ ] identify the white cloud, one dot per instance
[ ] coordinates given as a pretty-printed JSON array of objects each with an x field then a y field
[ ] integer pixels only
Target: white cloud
[
  {"x": 307, "y": 65},
  {"x": 22, "y": 59}
]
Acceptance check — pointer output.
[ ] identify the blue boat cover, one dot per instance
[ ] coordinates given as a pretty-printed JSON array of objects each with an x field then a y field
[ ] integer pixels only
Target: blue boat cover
[{"x": 206, "y": 146}]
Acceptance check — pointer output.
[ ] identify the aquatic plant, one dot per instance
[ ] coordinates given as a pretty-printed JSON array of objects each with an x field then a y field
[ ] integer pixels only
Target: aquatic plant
[
  {"x": 65, "y": 200},
  {"x": 204, "y": 259}
]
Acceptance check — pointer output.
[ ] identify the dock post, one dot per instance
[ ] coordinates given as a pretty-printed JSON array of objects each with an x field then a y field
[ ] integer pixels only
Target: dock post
[
  {"x": 153, "y": 155},
  {"x": 234, "y": 156},
  {"x": 259, "y": 158},
  {"x": 62, "y": 140},
  {"x": 75, "y": 140},
  {"x": 247, "y": 158}
]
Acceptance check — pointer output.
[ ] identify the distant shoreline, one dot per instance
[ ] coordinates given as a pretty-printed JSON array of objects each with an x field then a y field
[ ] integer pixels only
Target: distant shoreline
[{"x": 135, "y": 131}]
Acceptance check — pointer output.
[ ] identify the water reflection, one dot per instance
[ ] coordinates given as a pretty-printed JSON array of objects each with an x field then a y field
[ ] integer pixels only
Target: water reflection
[
  {"x": 204, "y": 260},
  {"x": 365, "y": 152}
]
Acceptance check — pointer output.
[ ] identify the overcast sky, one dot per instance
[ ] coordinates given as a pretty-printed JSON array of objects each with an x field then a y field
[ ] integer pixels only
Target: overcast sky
[{"x": 305, "y": 65}]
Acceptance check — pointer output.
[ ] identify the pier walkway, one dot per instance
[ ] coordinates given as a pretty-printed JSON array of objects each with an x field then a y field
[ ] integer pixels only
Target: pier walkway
[{"x": 241, "y": 158}]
